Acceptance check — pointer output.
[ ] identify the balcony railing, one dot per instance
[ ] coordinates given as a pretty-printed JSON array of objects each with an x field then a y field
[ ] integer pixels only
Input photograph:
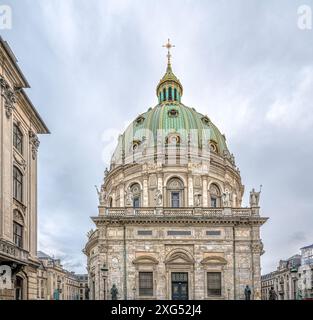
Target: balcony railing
[
  {"x": 11, "y": 251},
  {"x": 182, "y": 212}
]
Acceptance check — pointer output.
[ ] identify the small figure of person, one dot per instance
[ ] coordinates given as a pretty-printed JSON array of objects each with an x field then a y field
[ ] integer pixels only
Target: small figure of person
[
  {"x": 247, "y": 293},
  {"x": 114, "y": 292},
  {"x": 272, "y": 294}
]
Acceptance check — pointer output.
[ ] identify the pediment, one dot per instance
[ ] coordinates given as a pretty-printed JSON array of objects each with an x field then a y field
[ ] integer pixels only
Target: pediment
[
  {"x": 179, "y": 258},
  {"x": 145, "y": 260},
  {"x": 214, "y": 260}
]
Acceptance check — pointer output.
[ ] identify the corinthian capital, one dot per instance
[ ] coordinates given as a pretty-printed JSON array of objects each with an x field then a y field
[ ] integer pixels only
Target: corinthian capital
[{"x": 9, "y": 97}]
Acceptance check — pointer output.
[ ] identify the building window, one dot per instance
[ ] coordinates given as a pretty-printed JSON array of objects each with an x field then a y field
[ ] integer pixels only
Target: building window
[
  {"x": 144, "y": 232},
  {"x": 175, "y": 199},
  {"x": 146, "y": 284},
  {"x": 213, "y": 233},
  {"x": 175, "y": 191},
  {"x": 136, "y": 194},
  {"x": 213, "y": 202},
  {"x": 18, "y": 235},
  {"x": 215, "y": 196},
  {"x": 173, "y": 113},
  {"x": 17, "y": 184},
  {"x": 214, "y": 283},
  {"x": 164, "y": 94},
  {"x": 136, "y": 202},
  {"x": 17, "y": 139},
  {"x": 178, "y": 233},
  {"x": 175, "y": 94}
]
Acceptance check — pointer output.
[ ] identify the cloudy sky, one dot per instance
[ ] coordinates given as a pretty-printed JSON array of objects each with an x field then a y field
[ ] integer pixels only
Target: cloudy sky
[{"x": 93, "y": 67}]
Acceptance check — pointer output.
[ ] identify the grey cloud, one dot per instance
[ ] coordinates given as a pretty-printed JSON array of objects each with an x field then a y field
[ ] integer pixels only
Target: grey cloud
[{"x": 95, "y": 64}]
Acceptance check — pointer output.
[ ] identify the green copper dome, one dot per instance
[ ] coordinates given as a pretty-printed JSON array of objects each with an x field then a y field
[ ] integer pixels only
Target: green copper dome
[
  {"x": 169, "y": 124},
  {"x": 165, "y": 121}
]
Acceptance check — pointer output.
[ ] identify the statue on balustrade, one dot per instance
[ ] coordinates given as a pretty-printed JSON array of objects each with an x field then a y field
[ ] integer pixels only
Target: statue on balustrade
[{"x": 255, "y": 197}]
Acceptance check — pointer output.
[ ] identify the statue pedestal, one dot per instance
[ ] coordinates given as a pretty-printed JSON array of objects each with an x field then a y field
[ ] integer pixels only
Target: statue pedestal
[
  {"x": 227, "y": 211},
  {"x": 6, "y": 294}
]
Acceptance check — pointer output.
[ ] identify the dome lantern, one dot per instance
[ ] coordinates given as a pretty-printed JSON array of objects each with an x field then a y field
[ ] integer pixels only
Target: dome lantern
[{"x": 169, "y": 89}]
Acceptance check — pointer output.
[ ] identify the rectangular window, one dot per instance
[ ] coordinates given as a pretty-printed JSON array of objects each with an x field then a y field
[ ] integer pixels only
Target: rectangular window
[
  {"x": 17, "y": 184},
  {"x": 144, "y": 232},
  {"x": 214, "y": 283},
  {"x": 178, "y": 233},
  {"x": 175, "y": 200},
  {"x": 136, "y": 202},
  {"x": 17, "y": 139},
  {"x": 146, "y": 284},
  {"x": 213, "y": 202},
  {"x": 213, "y": 233},
  {"x": 18, "y": 235}
]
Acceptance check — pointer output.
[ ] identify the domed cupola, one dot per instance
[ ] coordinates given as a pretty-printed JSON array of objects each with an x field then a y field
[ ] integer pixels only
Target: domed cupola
[{"x": 169, "y": 89}]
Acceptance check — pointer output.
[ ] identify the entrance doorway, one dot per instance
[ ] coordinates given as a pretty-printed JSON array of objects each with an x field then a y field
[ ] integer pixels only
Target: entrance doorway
[
  {"x": 18, "y": 288},
  {"x": 179, "y": 286}
]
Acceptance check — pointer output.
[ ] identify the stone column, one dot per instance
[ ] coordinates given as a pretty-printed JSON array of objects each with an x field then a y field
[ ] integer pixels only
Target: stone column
[
  {"x": 190, "y": 192},
  {"x": 205, "y": 191},
  {"x": 160, "y": 187},
  {"x": 145, "y": 191},
  {"x": 122, "y": 194}
]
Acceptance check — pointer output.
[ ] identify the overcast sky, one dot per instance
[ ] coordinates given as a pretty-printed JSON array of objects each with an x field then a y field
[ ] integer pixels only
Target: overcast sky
[{"x": 94, "y": 65}]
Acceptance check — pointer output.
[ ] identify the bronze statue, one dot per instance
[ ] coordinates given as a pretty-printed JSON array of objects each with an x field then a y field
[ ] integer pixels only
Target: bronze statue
[
  {"x": 247, "y": 293},
  {"x": 114, "y": 292},
  {"x": 272, "y": 294}
]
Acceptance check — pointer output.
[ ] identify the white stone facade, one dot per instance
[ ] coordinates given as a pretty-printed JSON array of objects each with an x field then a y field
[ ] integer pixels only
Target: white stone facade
[
  {"x": 170, "y": 223},
  {"x": 19, "y": 126}
]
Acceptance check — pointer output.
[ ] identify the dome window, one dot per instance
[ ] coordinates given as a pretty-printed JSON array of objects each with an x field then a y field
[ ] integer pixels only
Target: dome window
[
  {"x": 173, "y": 113},
  {"x": 136, "y": 144},
  {"x": 175, "y": 94},
  {"x": 213, "y": 146},
  {"x": 206, "y": 120},
  {"x": 173, "y": 139},
  {"x": 164, "y": 94},
  {"x": 140, "y": 120}
]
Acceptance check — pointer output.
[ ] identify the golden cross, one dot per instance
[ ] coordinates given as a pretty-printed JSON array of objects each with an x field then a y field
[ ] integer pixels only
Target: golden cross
[{"x": 168, "y": 46}]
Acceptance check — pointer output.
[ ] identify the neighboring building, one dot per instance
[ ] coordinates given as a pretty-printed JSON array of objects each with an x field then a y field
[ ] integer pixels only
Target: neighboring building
[
  {"x": 83, "y": 286},
  {"x": 54, "y": 282},
  {"x": 284, "y": 280},
  {"x": 170, "y": 223},
  {"x": 306, "y": 273},
  {"x": 20, "y": 124}
]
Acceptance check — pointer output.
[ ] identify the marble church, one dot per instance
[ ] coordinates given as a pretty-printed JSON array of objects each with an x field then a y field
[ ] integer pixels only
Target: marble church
[{"x": 171, "y": 224}]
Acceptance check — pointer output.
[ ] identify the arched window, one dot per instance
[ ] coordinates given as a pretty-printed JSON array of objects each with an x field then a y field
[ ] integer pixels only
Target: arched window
[
  {"x": 17, "y": 184},
  {"x": 111, "y": 202},
  {"x": 170, "y": 93},
  {"x": 135, "y": 190},
  {"x": 164, "y": 94},
  {"x": 175, "y": 190},
  {"x": 215, "y": 196},
  {"x": 175, "y": 94},
  {"x": 17, "y": 138}
]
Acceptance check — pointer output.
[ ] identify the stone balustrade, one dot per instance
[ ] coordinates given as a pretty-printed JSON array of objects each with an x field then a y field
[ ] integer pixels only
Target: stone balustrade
[
  {"x": 178, "y": 212},
  {"x": 12, "y": 251}
]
